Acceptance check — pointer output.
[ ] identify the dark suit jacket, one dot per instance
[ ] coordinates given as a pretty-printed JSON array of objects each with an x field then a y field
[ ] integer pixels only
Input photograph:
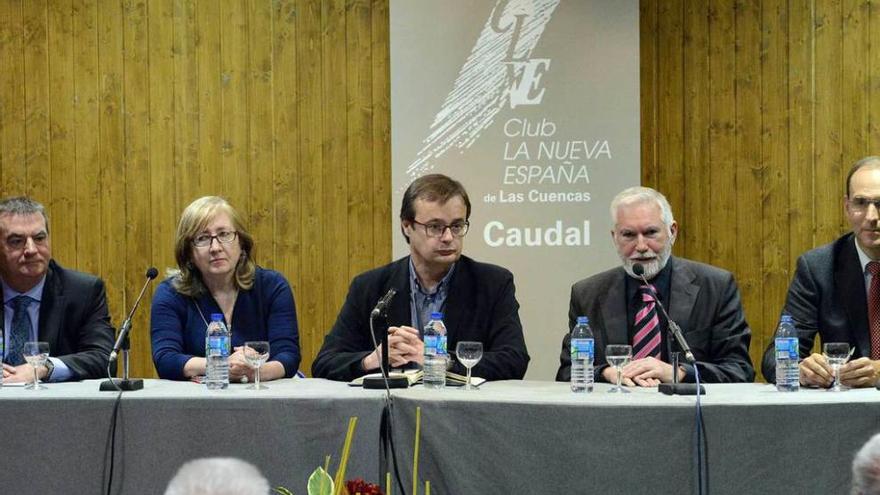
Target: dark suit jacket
[
  {"x": 75, "y": 322},
  {"x": 481, "y": 306},
  {"x": 827, "y": 296},
  {"x": 705, "y": 303}
]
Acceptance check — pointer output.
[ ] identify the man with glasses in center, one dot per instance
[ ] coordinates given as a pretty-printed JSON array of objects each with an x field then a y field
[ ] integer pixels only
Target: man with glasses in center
[
  {"x": 835, "y": 292},
  {"x": 477, "y": 300}
]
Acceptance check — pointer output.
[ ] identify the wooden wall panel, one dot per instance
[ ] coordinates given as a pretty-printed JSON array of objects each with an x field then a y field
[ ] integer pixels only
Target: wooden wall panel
[
  {"x": 792, "y": 89},
  {"x": 118, "y": 114}
]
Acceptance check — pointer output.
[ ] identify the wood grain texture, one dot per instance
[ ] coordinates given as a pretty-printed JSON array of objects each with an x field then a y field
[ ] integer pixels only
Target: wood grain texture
[{"x": 117, "y": 114}]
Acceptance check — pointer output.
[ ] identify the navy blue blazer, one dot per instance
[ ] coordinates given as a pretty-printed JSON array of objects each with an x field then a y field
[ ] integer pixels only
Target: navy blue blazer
[{"x": 481, "y": 306}]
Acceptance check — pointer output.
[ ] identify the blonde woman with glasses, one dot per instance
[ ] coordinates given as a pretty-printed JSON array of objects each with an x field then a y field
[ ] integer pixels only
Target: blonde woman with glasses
[{"x": 216, "y": 273}]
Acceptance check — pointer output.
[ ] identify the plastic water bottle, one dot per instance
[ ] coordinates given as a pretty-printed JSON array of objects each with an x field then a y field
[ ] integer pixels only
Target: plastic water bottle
[
  {"x": 582, "y": 347},
  {"x": 217, "y": 350},
  {"x": 787, "y": 345},
  {"x": 435, "y": 353}
]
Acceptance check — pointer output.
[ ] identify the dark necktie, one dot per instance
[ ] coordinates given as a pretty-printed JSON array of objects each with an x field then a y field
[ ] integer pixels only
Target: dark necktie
[
  {"x": 21, "y": 330},
  {"x": 646, "y": 341},
  {"x": 874, "y": 308}
]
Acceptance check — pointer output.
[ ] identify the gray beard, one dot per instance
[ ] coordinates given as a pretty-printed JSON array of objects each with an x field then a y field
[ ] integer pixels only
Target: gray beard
[{"x": 652, "y": 268}]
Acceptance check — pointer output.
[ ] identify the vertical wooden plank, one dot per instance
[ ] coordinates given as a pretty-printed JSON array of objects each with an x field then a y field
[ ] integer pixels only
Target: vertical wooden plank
[
  {"x": 873, "y": 77},
  {"x": 695, "y": 224},
  {"x": 670, "y": 108},
  {"x": 233, "y": 94},
  {"x": 335, "y": 185},
  {"x": 311, "y": 125},
  {"x": 775, "y": 162},
  {"x": 854, "y": 96},
  {"x": 86, "y": 118},
  {"x": 36, "y": 96},
  {"x": 749, "y": 170},
  {"x": 139, "y": 248},
  {"x": 722, "y": 139},
  {"x": 210, "y": 120},
  {"x": 648, "y": 68},
  {"x": 12, "y": 100},
  {"x": 829, "y": 157},
  {"x": 165, "y": 207},
  {"x": 186, "y": 103},
  {"x": 61, "y": 132},
  {"x": 111, "y": 139},
  {"x": 359, "y": 135},
  {"x": 381, "y": 142},
  {"x": 261, "y": 151},
  {"x": 801, "y": 104},
  {"x": 288, "y": 235}
]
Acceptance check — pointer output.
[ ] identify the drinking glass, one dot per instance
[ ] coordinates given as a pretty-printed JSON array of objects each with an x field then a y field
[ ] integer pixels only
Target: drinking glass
[
  {"x": 256, "y": 353},
  {"x": 469, "y": 354},
  {"x": 36, "y": 354},
  {"x": 618, "y": 356},
  {"x": 836, "y": 353}
]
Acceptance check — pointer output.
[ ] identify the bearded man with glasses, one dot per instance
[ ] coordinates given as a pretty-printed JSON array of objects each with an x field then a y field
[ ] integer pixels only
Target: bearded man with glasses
[
  {"x": 835, "y": 292},
  {"x": 478, "y": 300}
]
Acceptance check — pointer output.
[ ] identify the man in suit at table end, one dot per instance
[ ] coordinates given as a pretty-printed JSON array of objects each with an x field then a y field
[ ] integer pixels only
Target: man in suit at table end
[
  {"x": 702, "y": 299},
  {"x": 45, "y": 302},
  {"x": 477, "y": 300},
  {"x": 835, "y": 291}
]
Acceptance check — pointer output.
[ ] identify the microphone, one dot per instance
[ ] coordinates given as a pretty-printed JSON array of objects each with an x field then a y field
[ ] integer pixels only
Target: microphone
[
  {"x": 383, "y": 303},
  {"x": 126, "y": 325},
  {"x": 639, "y": 270}
]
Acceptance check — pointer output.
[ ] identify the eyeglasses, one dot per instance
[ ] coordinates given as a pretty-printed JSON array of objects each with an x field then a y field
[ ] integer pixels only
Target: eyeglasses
[
  {"x": 16, "y": 241},
  {"x": 223, "y": 237},
  {"x": 458, "y": 229},
  {"x": 860, "y": 205}
]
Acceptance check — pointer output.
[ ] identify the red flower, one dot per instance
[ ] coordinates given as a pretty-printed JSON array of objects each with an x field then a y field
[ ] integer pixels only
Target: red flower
[{"x": 359, "y": 486}]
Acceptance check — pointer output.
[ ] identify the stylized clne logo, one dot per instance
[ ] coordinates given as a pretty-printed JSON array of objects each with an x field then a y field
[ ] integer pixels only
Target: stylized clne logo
[{"x": 499, "y": 72}]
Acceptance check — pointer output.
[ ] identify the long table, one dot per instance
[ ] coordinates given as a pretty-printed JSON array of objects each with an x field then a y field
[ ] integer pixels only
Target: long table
[
  {"x": 538, "y": 437},
  {"x": 507, "y": 437},
  {"x": 57, "y": 440}
]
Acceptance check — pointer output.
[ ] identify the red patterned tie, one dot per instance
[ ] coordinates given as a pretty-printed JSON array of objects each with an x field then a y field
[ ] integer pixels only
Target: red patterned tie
[
  {"x": 646, "y": 341},
  {"x": 874, "y": 308}
]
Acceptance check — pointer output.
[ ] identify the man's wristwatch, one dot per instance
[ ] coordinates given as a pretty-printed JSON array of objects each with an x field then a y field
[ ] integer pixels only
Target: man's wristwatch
[{"x": 50, "y": 367}]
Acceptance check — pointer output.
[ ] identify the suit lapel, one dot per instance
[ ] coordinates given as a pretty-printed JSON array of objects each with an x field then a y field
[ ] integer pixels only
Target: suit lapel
[
  {"x": 459, "y": 300},
  {"x": 51, "y": 317},
  {"x": 614, "y": 311},
  {"x": 683, "y": 294},
  {"x": 399, "y": 311},
  {"x": 850, "y": 284}
]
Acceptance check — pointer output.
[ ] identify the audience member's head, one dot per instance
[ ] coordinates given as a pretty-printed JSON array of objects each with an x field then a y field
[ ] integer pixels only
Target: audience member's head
[
  {"x": 866, "y": 468},
  {"x": 218, "y": 476}
]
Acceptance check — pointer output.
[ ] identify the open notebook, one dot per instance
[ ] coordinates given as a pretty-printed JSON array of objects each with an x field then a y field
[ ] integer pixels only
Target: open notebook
[{"x": 415, "y": 376}]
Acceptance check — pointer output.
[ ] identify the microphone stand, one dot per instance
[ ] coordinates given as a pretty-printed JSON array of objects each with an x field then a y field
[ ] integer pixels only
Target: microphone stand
[{"x": 124, "y": 384}]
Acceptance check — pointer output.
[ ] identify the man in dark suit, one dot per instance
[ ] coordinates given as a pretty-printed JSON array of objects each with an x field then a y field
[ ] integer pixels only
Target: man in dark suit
[
  {"x": 831, "y": 290},
  {"x": 702, "y": 299},
  {"x": 477, "y": 300},
  {"x": 45, "y": 302}
]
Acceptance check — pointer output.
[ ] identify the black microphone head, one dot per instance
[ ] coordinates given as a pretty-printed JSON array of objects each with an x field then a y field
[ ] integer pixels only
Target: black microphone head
[
  {"x": 152, "y": 273},
  {"x": 638, "y": 269}
]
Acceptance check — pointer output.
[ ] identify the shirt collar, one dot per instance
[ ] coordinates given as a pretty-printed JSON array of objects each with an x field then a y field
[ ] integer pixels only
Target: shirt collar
[
  {"x": 36, "y": 292},
  {"x": 414, "y": 278},
  {"x": 863, "y": 258}
]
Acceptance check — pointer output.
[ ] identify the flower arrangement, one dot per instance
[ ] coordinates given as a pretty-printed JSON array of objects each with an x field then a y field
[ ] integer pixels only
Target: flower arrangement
[{"x": 320, "y": 482}]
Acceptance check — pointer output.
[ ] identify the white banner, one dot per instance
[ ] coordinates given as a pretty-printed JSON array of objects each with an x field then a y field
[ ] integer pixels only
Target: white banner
[{"x": 533, "y": 105}]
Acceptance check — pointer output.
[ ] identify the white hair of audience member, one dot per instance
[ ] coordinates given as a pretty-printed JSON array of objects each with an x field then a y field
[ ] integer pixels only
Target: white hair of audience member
[
  {"x": 218, "y": 476},
  {"x": 866, "y": 468}
]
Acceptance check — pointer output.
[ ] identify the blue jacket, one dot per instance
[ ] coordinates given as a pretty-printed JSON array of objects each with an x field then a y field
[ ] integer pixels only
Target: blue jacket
[{"x": 265, "y": 312}]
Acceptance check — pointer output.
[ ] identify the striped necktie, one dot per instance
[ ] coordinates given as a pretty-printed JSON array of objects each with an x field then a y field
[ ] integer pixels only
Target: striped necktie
[
  {"x": 646, "y": 341},
  {"x": 874, "y": 308}
]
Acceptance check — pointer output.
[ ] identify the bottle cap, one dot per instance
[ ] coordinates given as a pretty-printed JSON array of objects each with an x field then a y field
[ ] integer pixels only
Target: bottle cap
[
  {"x": 786, "y": 319},
  {"x": 436, "y": 316},
  {"x": 583, "y": 320},
  {"x": 216, "y": 316}
]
